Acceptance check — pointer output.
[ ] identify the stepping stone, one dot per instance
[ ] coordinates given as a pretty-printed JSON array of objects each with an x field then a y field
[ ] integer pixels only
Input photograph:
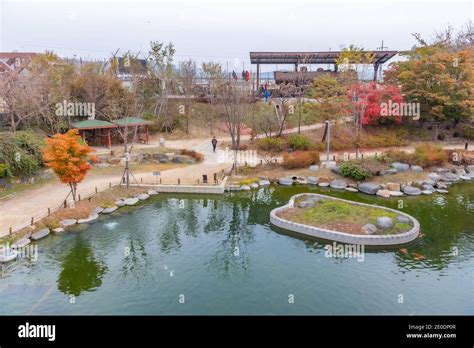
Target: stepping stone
[
  {"x": 254, "y": 185},
  {"x": 131, "y": 201},
  {"x": 339, "y": 184},
  {"x": 97, "y": 210},
  {"x": 323, "y": 184},
  {"x": 441, "y": 191},
  {"x": 119, "y": 203},
  {"x": 90, "y": 218},
  {"x": 383, "y": 193},
  {"x": 58, "y": 230},
  {"x": 152, "y": 192},
  {"x": 143, "y": 196},
  {"x": 411, "y": 191},
  {"x": 40, "y": 234},
  {"x": 396, "y": 193},
  {"x": 285, "y": 181},
  {"x": 21, "y": 243},
  {"x": 264, "y": 182},
  {"x": 245, "y": 187},
  {"x": 109, "y": 210},
  {"x": 427, "y": 192},
  {"x": 351, "y": 189},
  {"x": 67, "y": 222}
]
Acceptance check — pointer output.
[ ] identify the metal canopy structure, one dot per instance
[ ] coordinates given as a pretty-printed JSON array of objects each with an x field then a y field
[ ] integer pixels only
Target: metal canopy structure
[
  {"x": 318, "y": 57},
  {"x": 329, "y": 57}
]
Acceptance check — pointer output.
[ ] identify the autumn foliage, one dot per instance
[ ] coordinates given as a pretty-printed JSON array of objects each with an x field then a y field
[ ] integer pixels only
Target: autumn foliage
[
  {"x": 67, "y": 155},
  {"x": 371, "y": 96}
]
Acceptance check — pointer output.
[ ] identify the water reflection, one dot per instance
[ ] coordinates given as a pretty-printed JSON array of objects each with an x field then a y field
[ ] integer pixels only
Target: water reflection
[{"x": 80, "y": 271}]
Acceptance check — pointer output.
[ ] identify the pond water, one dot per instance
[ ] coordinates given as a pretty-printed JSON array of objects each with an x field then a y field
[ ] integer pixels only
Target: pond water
[{"x": 189, "y": 254}]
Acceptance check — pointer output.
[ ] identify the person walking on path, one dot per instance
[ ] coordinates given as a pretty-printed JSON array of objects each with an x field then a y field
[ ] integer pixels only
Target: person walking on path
[{"x": 214, "y": 144}]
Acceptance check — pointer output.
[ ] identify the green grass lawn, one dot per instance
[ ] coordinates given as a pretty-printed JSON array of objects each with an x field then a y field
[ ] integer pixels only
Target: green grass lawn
[{"x": 329, "y": 213}]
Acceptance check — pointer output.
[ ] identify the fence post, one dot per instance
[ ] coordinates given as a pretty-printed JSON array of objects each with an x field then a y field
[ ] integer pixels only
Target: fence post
[
  {"x": 110, "y": 184},
  {"x": 141, "y": 180},
  {"x": 179, "y": 181},
  {"x": 10, "y": 230},
  {"x": 65, "y": 204},
  {"x": 49, "y": 211},
  {"x": 160, "y": 181},
  {"x": 32, "y": 221},
  {"x": 96, "y": 189},
  {"x": 79, "y": 197}
]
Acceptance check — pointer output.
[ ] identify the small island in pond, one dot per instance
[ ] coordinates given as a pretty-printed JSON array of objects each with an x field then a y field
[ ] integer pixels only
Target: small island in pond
[{"x": 345, "y": 221}]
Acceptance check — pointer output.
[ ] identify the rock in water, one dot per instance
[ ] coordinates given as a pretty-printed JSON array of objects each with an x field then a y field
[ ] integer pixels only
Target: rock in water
[
  {"x": 109, "y": 210},
  {"x": 40, "y": 234},
  {"x": 90, "y": 218},
  {"x": 143, "y": 196},
  {"x": 384, "y": 222},
  {"x": 131, "y": 201},
  {"x": 411, "y": 191},
  {"x": 67, "y": 222},
  {"x": 369, "y": 188},
  {"x": 369, "y": 228},
  {"x": 23, "y": 242}
]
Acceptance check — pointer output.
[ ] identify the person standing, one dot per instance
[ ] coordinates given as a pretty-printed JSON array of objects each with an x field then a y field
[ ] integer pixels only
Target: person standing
[{"x": 214, "y": 144}]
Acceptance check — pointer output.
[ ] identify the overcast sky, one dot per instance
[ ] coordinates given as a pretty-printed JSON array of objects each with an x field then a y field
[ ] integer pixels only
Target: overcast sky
[{"x": 224, "y": 30}]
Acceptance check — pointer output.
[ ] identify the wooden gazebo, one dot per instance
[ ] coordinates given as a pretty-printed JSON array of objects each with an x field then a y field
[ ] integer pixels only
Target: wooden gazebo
[{"x": 100, "y": 132}]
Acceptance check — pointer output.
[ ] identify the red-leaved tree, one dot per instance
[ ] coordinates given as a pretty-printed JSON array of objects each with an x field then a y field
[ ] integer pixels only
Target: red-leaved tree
[{"x": 368, "y": 100}]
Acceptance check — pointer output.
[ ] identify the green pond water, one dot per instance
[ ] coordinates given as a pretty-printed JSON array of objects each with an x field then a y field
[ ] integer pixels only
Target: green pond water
[{"x": 190, "y": 254}]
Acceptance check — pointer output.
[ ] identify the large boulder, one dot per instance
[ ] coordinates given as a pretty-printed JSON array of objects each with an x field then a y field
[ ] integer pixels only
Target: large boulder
[
  {"x": 336, "y": 169},
  {"x": 338, "y": 184},
  {"x": 470, "y": 169},
  {"x": 253, "y": 185},
  {"x": 427, "y": 187},
  {"x": 245, "y": 187},
  {"x": 21, "y": 243},
  {"x": 411, "y": 191},
  {"x": 384, "y": 222},
  {"x": 264, "y": 182},
  {"x": 119, "y": 203},
  {"x": 369, "y": 188},
  {"x": 449, "y": 177},
  {"x": 400, "y": 167},
  {"x": 441, "y": 185},
  {"x": 312, "y": 180},
  {"x": 97, "y": 210},
  {"x": 143, "y": 196}
]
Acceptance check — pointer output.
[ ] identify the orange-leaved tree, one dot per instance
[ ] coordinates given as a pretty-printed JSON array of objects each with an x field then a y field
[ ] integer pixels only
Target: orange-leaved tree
[{"x": 67, "y": 155}]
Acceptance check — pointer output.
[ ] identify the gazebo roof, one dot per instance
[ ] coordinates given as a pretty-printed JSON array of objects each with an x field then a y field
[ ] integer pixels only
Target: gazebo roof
[
  {"x": 97, "y": 124},
  {"x": 92, "y": 124}
]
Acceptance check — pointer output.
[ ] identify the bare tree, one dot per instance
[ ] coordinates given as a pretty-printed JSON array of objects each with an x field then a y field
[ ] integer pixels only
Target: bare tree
[{"x": 187, "y": 72}]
